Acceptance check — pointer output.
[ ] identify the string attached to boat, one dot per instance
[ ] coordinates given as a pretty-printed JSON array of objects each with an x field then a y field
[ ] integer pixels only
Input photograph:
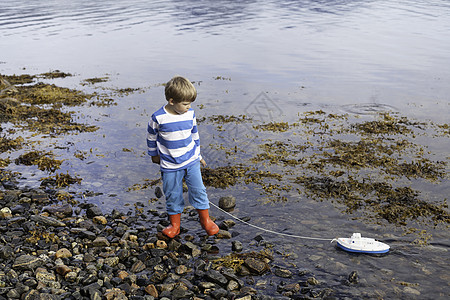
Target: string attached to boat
[{"x": 271, "y": 231}]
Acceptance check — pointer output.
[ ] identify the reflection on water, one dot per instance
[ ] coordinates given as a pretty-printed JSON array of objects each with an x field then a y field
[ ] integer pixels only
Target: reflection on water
[{"x": 360, "y": 57}]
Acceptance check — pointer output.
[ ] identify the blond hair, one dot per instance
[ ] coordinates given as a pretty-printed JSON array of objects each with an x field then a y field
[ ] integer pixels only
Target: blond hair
[{"x": 180, "y": 89}]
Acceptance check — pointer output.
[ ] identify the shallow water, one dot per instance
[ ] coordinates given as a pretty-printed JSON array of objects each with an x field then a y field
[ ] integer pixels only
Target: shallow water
[{"x": 270, "y": 60}]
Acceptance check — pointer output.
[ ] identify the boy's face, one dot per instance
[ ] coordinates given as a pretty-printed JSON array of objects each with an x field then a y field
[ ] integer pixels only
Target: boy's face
[{"x": 180, "y": 107}]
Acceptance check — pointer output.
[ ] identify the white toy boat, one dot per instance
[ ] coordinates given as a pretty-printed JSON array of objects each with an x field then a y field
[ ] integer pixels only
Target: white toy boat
[{"x": 358, "y": 244}]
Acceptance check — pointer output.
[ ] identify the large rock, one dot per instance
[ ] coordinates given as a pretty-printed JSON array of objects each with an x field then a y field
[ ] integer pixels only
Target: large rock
[
  {"x": 227, "y": 203},
  {"x": 27, "y": 262}
]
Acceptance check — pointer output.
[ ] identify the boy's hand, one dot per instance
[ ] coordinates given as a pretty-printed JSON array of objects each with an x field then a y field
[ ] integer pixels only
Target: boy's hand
[
  {"x": 203, "y": 162},
  {"x": 156, "y": 159}
]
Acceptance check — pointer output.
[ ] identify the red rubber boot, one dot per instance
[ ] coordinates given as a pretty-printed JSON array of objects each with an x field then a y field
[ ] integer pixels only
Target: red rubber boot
[
  {"x": 210, "y": 227},
  {"x": 174, "y": 228}
]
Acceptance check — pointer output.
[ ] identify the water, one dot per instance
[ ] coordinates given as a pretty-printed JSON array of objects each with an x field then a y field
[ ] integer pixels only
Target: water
[{"x": 339, "y": 56}]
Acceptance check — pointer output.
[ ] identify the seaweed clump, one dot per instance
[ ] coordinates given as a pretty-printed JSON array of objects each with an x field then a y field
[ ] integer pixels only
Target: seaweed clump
[
  {"x": 236, "y": 261},
  {"x": 39, "y": 107},
  {"x": 44, "y": 160},
  {"x": 60, "y": 180},
  {"x": 223, "y": 177},
  {"x": 396, "y": 205}
]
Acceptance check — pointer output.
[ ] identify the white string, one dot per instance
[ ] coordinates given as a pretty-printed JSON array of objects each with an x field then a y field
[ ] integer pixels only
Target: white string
[{"x": 267, "y": 230}]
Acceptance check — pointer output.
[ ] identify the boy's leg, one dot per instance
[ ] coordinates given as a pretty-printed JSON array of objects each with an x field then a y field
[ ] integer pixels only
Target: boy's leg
[
  {"x": 199, "y": 199},
  {"x": 173, "y": 191},
  {"x": 196, "y": 189}
]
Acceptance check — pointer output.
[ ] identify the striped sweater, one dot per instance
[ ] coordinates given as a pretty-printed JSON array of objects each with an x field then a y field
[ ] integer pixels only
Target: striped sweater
[{"x": 174, "y": 138}]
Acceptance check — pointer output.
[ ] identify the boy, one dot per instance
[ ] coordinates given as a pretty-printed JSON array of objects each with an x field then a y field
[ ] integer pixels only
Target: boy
[{"x": 173, "y": 143}]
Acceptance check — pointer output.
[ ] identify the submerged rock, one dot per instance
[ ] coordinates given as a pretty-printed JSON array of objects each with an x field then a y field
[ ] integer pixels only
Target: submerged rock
[{"x": 227, "y": 203}]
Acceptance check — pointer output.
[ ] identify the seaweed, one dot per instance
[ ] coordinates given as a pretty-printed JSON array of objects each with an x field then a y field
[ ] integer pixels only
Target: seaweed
[{"x": 44, "y": 160}]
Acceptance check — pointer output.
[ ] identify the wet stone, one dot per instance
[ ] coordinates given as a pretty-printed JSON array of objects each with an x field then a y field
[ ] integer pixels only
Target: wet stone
[
  {"x": 138, "y": 266},
  {"x": 353, "y": 277},
  {"x": 100, "y": 242},
  {"x": 49, "y": 221},
  {"x": 63, "y": 253},
  {"x": 5, "y": 213},
  {"x": 86, "y": 234},
  {"x": 256, "y": 266},
  {"x": 27, "y": 262},
  {"x": 93, "y": 211},
  {"x": 236, "y": 246},
  {"x": 312, "y": 281},
  {"x": 222, "y": 234},
  {"x": 63, "y": 270},
  {"x": 40, "y": 197},
  {"x": 60, "y": 211},
  {"x": 158, "y": 192},
  {"x": 284, "y": 273},
  {"x": 216, "y": 277},
  {"x": 181, "y": 293},
  {"x": 227, "y": 203}
]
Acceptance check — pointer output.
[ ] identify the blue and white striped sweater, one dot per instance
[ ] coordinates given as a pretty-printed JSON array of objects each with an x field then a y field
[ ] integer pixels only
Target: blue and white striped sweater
[{"x": 174, "y": 138}]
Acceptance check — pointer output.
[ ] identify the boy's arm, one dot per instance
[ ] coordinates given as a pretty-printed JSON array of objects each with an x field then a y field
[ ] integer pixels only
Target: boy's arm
[
  {"x": 152, "y": 134},
  {"x": 196, "y": 138}
]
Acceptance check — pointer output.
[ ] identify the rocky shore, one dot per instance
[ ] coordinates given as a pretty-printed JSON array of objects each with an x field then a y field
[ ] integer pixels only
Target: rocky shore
[{"x": 57, "y": 249}]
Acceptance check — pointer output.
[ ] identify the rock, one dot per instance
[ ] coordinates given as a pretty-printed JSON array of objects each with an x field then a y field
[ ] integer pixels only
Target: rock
[
  {"x": 284, "y": 273},
  {"x": 100, "y": 220},
  {"x": 63, "y": 270},
  {"x": 44, "y": 276},
  {"x": 259, "y": 238},
  {"x": 115, "y": 294},
  {"x": 63, "y": 253},
  {"x": 151, "y": 290},
  {"x": 216, "y": 277},
  {"x": 137, "y": 267},
  {"x": 312, "y": 281},
  {"x": 248, "y": 297},
  {"x": 112, "y": 261},
  {"x": 60, "y": 211},
  {"x": 192, "y": 249},
  {"x": 227, "y": 224},
  {"x": 49, "y": 221},
  {"x": 6, "y": 252},
  {"x": 222, "y": 234},
  {"x": 353, "y": 277},
  {"x": 71, "y": 276},
  {"x": 236, "y": 246},
  {"x": 256, "y": 266},
  {"x": 233, "y": 285},
  {"x": 181, "y": 269},
  {"x": 161, "y": 244},
  {"x": 181, "y": 294},
  {"x": 86, "y": 234},
  {"x": 93, "y": 211},
  {"x": 40, "y": 197},
  {"x": 219, "y": 293},
  {"x": 100, "y": 242},
  {"x": 158, "y": 192},
  {"x": 5, "y": 213},
  {"x": 410, "y": 290},
  {"x": 27, "y": 262},
  {"x": 227, "y": 203}
]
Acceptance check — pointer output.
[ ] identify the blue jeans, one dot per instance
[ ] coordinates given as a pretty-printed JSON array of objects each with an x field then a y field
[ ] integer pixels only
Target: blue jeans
[{"x": 173, "y": 189}]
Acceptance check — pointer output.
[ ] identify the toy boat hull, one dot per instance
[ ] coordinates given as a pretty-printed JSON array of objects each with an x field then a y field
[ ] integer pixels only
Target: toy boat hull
[{"x": 358, "y": 244}]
